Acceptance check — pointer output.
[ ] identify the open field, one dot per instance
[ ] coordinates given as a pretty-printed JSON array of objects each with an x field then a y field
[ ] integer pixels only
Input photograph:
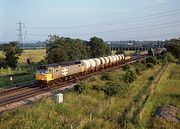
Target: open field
[
  {"x": 34, "y": 55},
  {"x": 92, "y": 108},
  {"x": 24, "y": 73}
]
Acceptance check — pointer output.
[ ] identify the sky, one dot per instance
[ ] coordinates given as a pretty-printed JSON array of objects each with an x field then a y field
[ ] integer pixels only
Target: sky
[{"x": 111, "y": 20}]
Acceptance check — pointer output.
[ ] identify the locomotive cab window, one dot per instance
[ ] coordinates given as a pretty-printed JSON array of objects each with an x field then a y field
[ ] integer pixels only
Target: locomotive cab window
[{"x": 42, "y": 71}]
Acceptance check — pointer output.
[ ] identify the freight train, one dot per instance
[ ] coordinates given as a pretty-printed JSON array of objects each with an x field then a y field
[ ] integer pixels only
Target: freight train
[{"x": 50, "y": 73}]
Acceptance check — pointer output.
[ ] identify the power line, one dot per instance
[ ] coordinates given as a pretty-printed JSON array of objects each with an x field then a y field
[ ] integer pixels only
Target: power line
[
  {"x": 128, "y": 29},
  {"x": 157, "y": 36},
  {"x": 134, "y": 29},
  {"x": 144, "y": 37},
  {"x": 115, "y": 22}
]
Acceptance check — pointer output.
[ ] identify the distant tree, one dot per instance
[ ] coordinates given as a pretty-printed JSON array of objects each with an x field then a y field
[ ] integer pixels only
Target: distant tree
[
  {"x": 12, "y": 53},
  {"x": 98, "y": 47},
  {"x": 57, "y": 55},
  {"x": 64, "y": 49},
  {"x": 1, "y": 47},
  {"x": 2, "y": 63},
  {"x": 173, "y": 46}
]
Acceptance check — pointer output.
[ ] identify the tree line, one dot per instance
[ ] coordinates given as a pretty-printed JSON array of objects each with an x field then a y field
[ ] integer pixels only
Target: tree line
[
  {"x": 11, "y": 52},
  {"x": 60, "y": 49},
  {"x": 66, "y": 49}
]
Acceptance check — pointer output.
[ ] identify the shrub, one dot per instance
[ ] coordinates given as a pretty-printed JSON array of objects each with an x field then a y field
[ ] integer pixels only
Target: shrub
[
  {"x": 98, "y": 87},
  {"x": 143, "y": 61},
  {"x": 151, "y": 78},
  {"x": 112, "y": 88},
  {"x": 150, "y": 65},
  {"x": 126, "y": 67},
  {"x": 151, "y": 60},
  {"x": 138, "y": 71},
  {"x": 94, "y": 78},
  {"x": 169, "y": 57},
  {"x": 81, "y": 87},
  {"x": 105, "y": 76},
  {"x": 140, "y": 66},
  {"x": 130, "y": 76}
]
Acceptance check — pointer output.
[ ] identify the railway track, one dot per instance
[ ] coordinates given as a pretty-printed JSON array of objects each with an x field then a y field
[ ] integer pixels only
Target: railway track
[{"x": 24, "y": 92}]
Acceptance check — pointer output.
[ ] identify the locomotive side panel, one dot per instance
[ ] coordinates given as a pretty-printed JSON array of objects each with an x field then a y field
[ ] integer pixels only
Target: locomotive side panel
[
  {"x": 70, "y": 70},
  {"x": 56, "y": 72}
]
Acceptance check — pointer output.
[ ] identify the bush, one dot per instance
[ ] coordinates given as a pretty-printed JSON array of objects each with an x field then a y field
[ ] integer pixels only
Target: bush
[
  {"x": 81, "y": 87},
  {"x": 140, "y": 66},
  {"x": 150, "y": 65},
  {"x": 105, "y": 76},
  {"x": 138, "y": 71},
  {"x": 126, "y": 67},
  {"x": 151, "y": 78},
  {"x": 130, "y": 76},
  {"x": 112, "y": 88},
  {"x": 168, "y": 57},
  {"x": 151, "y": 60},
  {"x": 143, "y": 61},
  {"x": 98, "y": 87}
]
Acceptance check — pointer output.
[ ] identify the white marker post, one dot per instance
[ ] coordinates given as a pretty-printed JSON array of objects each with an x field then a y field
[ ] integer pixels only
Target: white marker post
[
  {"x": 11, "y": 78},
  {"x": 59, "y": 98}
]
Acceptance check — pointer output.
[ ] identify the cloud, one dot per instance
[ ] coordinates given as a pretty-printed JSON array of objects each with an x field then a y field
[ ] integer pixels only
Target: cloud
[{"x": 154, "y": 2}]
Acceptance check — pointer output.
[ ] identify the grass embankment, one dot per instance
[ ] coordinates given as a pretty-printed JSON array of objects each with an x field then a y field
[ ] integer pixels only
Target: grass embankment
[
  {"x": 23, "y": 72},
  {"x": 19, "y": 75},
  {"x": 167, "y": 92},
  {"x": 89, "y": 109}
]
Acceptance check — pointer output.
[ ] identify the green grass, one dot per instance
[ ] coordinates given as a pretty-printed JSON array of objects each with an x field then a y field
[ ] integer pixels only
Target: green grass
[
  {"x": 5, "y": 82},
  {"x": 167, "y": 93},
  {"x": 35, "y": 56},
  {"x": 90, "y": 109}
]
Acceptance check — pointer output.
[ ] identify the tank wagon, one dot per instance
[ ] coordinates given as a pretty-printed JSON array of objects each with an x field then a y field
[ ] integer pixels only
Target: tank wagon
[{"x": 48, "y": 73}]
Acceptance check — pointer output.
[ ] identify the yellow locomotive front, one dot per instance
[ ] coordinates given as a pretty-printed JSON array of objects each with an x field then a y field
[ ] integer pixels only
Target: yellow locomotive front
[{"x": 43, "y": 74}]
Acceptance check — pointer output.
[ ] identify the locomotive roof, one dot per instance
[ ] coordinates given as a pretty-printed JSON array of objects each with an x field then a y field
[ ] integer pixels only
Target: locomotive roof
[{"x": 66, "y": 63}]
